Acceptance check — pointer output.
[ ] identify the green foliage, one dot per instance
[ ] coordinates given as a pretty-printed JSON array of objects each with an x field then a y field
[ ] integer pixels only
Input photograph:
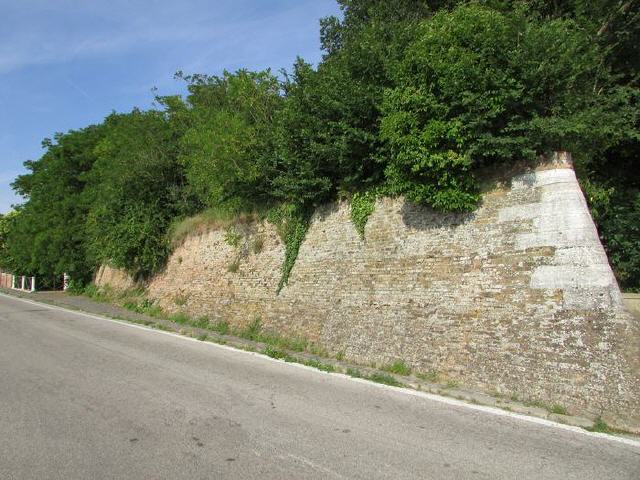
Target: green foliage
[
  {"x": 180, "y": 318},
  {"x": 7, "y": 223},
  {"x": 222, "y": 327},
  {"x": 362, "y": 206},
  {"x": 411, "y": 98},
  {"x": 228, "y": 142},
  {"x": 600, "y": 426},
  {"x": 616, "y": 211},
  {"x": 480, "y": 87},
  {"x": 276, "y": 353},
  {"x": 135, "y": 189},
  {"x": 328, "y": 130},
  {"x": 77, "y": 288},
  {"x": 384, "y": 379},
  {"x": 398, "y": 367},
  {"x": 324, "y": 367},
  {"x": 234, "y": 266},
  {"x": 91, "y": 290},
  {"x": 232, "y": 237},
  {"x": 252, "y": 331},
  {"x": 292, "y": 223},
  {"x": 558, "y": 409},
  {"x": 48, "y": 236},
  {"x": 181, "y": 300}
]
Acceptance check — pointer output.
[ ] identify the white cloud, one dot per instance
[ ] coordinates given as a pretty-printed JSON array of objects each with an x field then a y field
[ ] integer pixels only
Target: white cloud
[{"x": 39, "y": 32}]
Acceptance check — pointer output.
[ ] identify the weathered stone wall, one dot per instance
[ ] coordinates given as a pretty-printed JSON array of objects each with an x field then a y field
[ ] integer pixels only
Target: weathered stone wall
[
  {"x": 516, "y": 297},
  {"x": 116, "y": 279},
  {"x": 632, "y": 302}
]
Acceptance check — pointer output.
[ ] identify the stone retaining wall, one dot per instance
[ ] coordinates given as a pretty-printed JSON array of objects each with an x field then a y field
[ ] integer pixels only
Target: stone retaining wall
[
  {"x": 115, "y": 278},
  {"x": 632, "y": 302},
  {"x": 516, "y": 297}
]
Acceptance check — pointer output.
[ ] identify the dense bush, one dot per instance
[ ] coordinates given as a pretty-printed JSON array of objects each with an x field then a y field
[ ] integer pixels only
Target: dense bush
[
  {"x": 227, "y": 147},
  {"x": 480, "y": 87},
  {"x": 49, "y": 235},
  {"x": 135, "y": 189},
  {"x": 411, "y": 98}
]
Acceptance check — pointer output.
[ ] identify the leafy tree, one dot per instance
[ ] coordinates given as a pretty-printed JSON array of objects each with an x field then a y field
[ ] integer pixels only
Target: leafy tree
[
  {"x": 481, "y": 87},
  {"x": 135, "y": 189},
  {"x": 329, "y": 141},
  {"x": 228, "y": 145},
  {"x": 614, "y": 197},
  {"x": 7, "y": 222},
  {"x": 412, "y": 97},
  {"x": 48, "y": 237}
]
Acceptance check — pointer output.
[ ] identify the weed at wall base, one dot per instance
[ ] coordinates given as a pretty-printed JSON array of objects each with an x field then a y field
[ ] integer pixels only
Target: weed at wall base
[
  {"x": 384, "y": 379},
  {"x": 558, "y": 409},
  {"x": 599, "y": 426},
  {"x": 398, "y": 367}
]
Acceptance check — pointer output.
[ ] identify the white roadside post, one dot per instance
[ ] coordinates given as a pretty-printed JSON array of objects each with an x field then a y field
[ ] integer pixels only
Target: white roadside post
[
  {"x": 33, "y": 284},
  {"x": 65, "y": 282},
  {"x": 23, "y": 282}
]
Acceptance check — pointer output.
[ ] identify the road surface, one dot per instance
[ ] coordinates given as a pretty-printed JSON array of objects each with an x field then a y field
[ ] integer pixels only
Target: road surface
[{"x": 88, "y": 398}]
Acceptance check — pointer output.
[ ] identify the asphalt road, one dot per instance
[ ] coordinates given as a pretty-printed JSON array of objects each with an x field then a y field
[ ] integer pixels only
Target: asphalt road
[{"x": 88, "y": 398}]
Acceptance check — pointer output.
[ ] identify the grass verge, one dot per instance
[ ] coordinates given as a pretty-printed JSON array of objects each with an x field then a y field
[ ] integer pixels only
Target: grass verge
[{"x": 297, "y": 350}]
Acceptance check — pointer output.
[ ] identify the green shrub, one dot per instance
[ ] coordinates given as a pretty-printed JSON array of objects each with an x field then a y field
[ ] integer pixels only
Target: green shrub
[
  {"x": 600, "y": 426},
  {"x": 201, "y": 322},
  {"x": 76, "y": 287},
  {"x": 474, "y": 89},
  {"x": 274, "y": 352},
  {"x": 181, "y": 300},
  {"x": 615, "y": 208}
]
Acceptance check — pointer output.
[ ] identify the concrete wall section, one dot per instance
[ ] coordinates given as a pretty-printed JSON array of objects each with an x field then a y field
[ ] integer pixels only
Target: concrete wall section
[{"x": 516, "y": 297}]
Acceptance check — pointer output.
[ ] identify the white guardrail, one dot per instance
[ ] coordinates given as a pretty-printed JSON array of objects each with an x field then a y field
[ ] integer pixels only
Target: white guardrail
[{"x": 18, "y": 282}]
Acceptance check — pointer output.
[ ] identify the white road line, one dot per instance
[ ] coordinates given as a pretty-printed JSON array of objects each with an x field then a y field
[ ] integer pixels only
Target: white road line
[{"x": 406, "y": 391}]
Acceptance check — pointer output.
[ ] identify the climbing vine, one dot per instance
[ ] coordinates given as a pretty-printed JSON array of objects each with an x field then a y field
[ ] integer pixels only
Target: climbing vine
[
  {"x": 292, "y": 223},
  {"x": 362, "y": 206}
]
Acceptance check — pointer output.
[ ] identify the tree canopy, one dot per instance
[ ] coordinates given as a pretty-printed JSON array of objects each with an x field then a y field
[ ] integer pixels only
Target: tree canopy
[{"x": 411, "y": 98}]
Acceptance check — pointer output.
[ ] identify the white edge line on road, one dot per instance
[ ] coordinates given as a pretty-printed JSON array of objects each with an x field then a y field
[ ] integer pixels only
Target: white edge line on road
[{"x": 406, "y": 391}]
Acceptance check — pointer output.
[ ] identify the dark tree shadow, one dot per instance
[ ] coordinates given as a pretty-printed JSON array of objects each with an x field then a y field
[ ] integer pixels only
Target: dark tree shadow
[{"x": 420, "y": 217}]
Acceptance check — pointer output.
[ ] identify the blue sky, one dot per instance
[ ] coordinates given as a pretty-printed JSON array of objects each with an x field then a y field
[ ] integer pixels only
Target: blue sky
[{"x": 65, "y": 64}]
